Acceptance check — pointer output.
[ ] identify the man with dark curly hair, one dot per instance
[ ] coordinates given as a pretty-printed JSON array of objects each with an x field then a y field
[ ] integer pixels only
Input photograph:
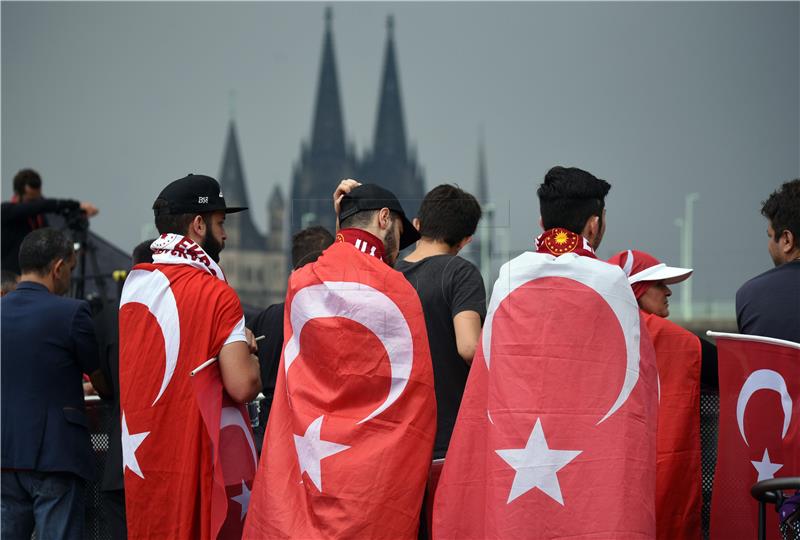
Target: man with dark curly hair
[{"x": 769, "y": 304}]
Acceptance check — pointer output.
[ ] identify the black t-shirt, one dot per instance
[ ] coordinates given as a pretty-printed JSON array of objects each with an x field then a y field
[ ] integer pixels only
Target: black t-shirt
[
  {"x": 447, "y": 285},
  {"x": 268, "y": 323}
]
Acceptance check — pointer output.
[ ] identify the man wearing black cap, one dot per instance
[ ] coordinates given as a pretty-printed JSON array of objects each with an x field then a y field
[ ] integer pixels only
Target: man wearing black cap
[
  {"x": 353, "y": 418},
  {"x": 177, "y": 313}
]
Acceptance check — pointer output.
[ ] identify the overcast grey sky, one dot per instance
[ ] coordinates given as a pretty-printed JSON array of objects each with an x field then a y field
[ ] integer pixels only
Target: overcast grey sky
[{"x": 111, "y": 101}]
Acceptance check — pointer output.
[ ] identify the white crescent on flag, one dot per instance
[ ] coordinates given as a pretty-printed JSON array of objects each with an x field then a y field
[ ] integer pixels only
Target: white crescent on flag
[
  {"x": 366, "y": 306},
  {"x": 152, "y": 289},
  {"x": 764, "y": 379},
  {"x": 231, "y": 416},
  {"x": 529, "y": 266}
]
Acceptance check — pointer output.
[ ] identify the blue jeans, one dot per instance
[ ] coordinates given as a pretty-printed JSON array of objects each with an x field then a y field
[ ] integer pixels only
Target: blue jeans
[{"x": 53, "y": 502}]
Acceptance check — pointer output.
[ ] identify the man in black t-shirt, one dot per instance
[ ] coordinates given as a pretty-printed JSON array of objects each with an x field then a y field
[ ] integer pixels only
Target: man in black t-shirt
[
  {"x": 452, "y": 293},
  {"x": 307, "y": 246}
]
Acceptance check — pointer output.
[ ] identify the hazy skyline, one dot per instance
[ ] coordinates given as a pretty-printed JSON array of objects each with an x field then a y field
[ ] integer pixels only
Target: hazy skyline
[{"x": 111, "y": 101}]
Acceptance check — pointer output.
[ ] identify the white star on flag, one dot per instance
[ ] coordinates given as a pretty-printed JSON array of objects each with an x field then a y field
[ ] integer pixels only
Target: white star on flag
[
  {"x": 766, "y": 469},
  {"x": 130, "y": 443},
  {"x": 536, "y": 466},
  {"x": 311, "y": 450},
  {"x": 243, "y": 499}
]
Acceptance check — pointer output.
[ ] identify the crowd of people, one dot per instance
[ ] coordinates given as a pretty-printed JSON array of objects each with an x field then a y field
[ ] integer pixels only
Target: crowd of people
[{"x": 374, "y": 365}]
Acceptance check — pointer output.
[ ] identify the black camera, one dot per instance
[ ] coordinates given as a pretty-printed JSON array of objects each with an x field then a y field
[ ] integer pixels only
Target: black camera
[{"x": 75, "y": 219}]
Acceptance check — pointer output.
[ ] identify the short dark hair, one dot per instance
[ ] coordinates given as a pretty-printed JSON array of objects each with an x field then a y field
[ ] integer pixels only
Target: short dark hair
[
  {"x": 142, "y": 252},
  {"x": 449, "y": 214},
  {"x": 41, "y": 248},
  {"x": 26, "y": 177},
  {"x": 358, "y": 220},
  {"x": 782, "y": 209},
  {"x": 569, "y": 196},
  {"x": 171, "y": 223},
  {"x": 308, "y": 245},
  {"x": 8, "y": 281}
]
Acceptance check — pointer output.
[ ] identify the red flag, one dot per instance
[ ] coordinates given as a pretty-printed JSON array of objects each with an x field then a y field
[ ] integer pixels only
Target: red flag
[
  {"x": 678, "y": 460},
  {"x": 350, "y": 434},
  {"x": 173, "y": 317},
  {"x": 759, "y": 431},
  {"x": 234, "y": 468},
  {"x": 555, "y": 436}
]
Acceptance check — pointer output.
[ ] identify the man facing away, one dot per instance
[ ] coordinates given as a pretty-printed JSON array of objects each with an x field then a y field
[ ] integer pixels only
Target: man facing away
[
  {"x": 307, "y": 246},
  {"x": 176, "y": 314},
  {"x": 452, "y": 293},
  {"x": 560, "y": 404},
  {"x": 769, "y": 304},
  {"x": 48, "y": 342},
  {"x": 350, "y": 433}
]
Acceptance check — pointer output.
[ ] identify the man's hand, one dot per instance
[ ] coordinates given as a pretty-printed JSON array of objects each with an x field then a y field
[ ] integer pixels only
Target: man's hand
[
  {"x": 89, "y": 208},
  {"x": 251, "y": 341}
]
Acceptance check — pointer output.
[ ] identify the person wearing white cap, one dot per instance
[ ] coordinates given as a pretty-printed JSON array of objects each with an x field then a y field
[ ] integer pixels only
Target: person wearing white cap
[
  {"x": 679, "y": 356},
  {"x": 650, "y": 279}
]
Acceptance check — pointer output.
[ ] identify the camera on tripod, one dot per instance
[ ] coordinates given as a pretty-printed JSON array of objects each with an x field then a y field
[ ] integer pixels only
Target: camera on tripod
[{"x": 75, "y": 219}]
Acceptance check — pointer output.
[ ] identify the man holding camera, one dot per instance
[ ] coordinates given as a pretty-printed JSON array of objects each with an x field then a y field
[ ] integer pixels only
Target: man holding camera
[{"x": 25, "y": 213}]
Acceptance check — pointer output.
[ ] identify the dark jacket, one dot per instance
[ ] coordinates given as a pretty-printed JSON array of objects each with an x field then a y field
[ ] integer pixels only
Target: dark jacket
[
  {"x": 769, "y": 304},
  {"x": 18, "y": 219},
  {"x": 48, "y": 342}
]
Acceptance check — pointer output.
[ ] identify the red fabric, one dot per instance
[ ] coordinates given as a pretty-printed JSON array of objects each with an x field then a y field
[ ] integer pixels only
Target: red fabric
[
  {"x": 678, "y": 470},
  {"x": 338, "y": 375},
  {"x": 745, "y": 365},
  {"x": 228, "y": 426},
  {"x": 363, "y": 241},
  {"x": 559, "y": 241},
  {"x": 174, "y": 497},
  {"x": 558, "y": 360}
]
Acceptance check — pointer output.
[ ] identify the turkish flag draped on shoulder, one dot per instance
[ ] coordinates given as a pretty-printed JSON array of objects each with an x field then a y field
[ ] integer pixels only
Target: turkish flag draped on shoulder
[
  {"x": 555, "y": 437},
  {"x": 174, "y": 315},
  {"x": 350, "y": 434},
  {"x": 759, "y": 428},
  {"x": 678, "y": 459}
]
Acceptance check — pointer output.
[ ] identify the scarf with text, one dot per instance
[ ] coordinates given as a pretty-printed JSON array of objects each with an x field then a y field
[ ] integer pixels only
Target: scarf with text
[
  {"x": 176, "y": 249},
  {"x": 363, "y": 241}
]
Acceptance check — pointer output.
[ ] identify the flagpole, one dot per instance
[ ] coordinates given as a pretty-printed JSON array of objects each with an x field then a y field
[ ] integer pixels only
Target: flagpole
[{"x": 210, "y": 361}]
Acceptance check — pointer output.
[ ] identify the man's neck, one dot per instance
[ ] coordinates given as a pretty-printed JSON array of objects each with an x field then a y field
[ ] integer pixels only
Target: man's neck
[
  {"x": 36, "y": 278},
  {"x": 427, "y": 247}
]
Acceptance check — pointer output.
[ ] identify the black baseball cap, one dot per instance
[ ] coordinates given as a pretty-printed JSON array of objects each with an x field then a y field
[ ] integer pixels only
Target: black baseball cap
[
  {"x": 194, "y": 194},
  {"x": 374, "y": 197}
]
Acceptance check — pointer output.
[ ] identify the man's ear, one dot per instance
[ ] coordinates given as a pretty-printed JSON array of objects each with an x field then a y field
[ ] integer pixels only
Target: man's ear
[
  {"x": 197, "y": 226},
  {"x": 415, "y": 222},
  {"x": 384, "y": 218},
  {"x": 787, "y": 241},
  {"x": 57, "y": 267},
  {"x": 591, "y": 229},
  {"x": 464, "y": 241}
]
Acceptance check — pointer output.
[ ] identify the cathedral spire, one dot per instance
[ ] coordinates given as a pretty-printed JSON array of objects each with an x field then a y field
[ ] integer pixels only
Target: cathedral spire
[
  {"x": 242, "y": 232},
  {"x": 390, "y": 132},
  {"x": 327, "y": 135}
]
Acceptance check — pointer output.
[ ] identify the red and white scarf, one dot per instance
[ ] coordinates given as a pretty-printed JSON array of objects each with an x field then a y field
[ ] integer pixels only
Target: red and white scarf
[{"x": 176, "y": 249}]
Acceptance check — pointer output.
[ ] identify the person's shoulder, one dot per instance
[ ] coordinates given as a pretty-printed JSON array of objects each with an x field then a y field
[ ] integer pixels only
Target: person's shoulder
[{"x": 789, "y": 272}]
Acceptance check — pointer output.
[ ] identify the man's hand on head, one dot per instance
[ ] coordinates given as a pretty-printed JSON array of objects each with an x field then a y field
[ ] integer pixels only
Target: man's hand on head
[{"x": 344, "y": 187}]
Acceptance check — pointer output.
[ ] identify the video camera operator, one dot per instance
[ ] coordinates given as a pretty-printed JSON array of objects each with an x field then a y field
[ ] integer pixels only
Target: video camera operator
[{"x": 25, "y": 213}]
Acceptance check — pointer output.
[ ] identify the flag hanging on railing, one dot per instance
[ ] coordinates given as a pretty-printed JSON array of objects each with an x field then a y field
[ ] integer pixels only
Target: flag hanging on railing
[{"x": 759, "y": 428}]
